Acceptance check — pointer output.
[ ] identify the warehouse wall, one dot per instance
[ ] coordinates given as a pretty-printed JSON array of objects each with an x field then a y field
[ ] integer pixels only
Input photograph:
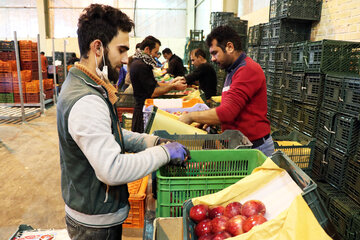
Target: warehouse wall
[{"x": 340, "y": 19}]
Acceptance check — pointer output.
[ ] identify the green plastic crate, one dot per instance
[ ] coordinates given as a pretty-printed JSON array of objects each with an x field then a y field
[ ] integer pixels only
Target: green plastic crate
[
  {"x": 327, "y": 192},
  {"x": 126, "y": 100},
  {"x": 310, "y": 195},
  {"x": 207, "y": 172},
  {"x": 298, "y": 56},
  {"x": 307, "y": 10},
  {"x": 6, "y": 97}
]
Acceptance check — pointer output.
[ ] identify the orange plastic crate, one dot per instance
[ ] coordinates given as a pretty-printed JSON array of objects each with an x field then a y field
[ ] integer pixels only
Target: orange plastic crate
[
  {"x": 32, "y": 97},
  {"x": 32, "y": 87},
  {"x": 17, "y": 97},
  {"x": 29, "y": 65},
  {"x": 28, "y": 56},
  {"x": 49, "y": 93},
  {"x": 185, "y": 104},
  {"x": 25, "y": 45},
  {"x": 137, "y": 191},
  {"x": 25, "y": 76},
  {"x": 34, "y": 46},
  {"x": 5, "y": 66},
  {"x": 48, "y": 84}
]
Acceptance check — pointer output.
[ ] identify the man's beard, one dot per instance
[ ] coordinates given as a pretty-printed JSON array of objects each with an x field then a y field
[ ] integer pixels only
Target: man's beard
[{"x": 113, "y": 75}]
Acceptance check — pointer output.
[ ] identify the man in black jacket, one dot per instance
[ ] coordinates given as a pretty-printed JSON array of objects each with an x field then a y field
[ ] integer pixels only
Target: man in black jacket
[
  {"x": 176, "y": 66},
  {"x": 204, "y": 73},
  {"x": 143, "y": 80}
]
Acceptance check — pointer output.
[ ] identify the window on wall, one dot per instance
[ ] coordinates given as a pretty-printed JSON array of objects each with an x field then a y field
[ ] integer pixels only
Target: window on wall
[
  {"x": 19, "y": 16},
  {"x": 167, "y": 19}
]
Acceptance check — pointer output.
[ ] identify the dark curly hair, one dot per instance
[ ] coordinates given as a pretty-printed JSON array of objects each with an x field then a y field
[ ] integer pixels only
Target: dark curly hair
[
  {"x": 223, "y": 35},
  {"x": 150, "y": 42},
  {"x": 198, "y": 52},
  {"x": 100, "y": 22}
]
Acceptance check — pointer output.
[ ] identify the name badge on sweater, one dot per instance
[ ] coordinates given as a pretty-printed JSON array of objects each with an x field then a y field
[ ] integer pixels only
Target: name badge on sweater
[{"x": 226, "y": 88}]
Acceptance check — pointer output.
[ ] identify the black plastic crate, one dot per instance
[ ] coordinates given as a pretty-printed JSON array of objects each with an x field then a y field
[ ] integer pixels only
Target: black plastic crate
[
  {"x": 280, "y": 58},
  {"x": 263, "y": 56},
  {"x": 337, "y": 163},
  {"x": 284, "y": 31},
  {"x": 354, "y": 230},
  {"x": 270, "y": 79},
  {"x": 287, "y": 84},
  {"x": 296, "y": 86},
  {"x": 297, "y": 120},
  {"x": 250, "y": 36},
  {"x": 276, "y": 109},
  {"x": 327, "y": 192},
  {"x": 287, "y": 110},
  {"x": 325, "y": 124},
  {"x": 278, "y": 81},
  {"x": 298, "y": 54},
  {"x": 273, "y": 10},
  {"x": 271, "y": 61},
  {"x": 319, "y": 165},
  {"x": 352, "y": 179},
  {"x": 306, "y": 10},
  {"x": 342, "y": 210},
  {"x": 346, "y": 134},
  {"x": 253, "y": 53},
  {"x": 126, "y": 100},
  {"x": 288, "y": 56},
  {"x": 220, "y": 16},
  {"x": 333, "y": 56},
  {"x": 196, "y": 35},
  {"x": 266, "y": 34},
  {"x": 240, "y": 26},
  {"x": 310, "y": 119},
  {"x": 333, "y": 91},
  {"x": 256, "y": 35},
  {"x": 351, "y": 96},
  {"x": 314, "y": 88}
]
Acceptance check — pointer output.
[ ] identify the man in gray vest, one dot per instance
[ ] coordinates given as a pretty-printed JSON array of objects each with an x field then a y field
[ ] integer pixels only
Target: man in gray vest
[{"x": 94, "y": 167}]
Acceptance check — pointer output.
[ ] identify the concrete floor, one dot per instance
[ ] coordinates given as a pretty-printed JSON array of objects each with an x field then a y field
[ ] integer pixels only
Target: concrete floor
[{"x": 30, "y": 177}]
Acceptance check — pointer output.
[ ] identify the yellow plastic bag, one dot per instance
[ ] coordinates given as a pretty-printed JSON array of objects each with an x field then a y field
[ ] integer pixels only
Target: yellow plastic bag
[
  {"x": 166, "y": 121},
  {"x": 289, "y": 216}
]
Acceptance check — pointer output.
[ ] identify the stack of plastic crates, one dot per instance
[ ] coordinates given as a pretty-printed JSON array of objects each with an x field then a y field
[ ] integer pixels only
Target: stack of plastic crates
[{"x": 137, "y": 191}]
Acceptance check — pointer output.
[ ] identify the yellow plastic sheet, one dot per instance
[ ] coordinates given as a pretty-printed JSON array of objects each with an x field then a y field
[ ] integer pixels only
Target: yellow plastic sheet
[
  {"x": 166, "y": 121},
  {"x": 194, "y": 94},
  {"x": 293, "y": 220},
  {"x": 216, "y": 99}
]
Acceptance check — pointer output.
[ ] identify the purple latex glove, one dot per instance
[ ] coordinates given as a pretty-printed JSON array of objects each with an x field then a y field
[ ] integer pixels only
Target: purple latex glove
[{"x": 178, "y": 153}]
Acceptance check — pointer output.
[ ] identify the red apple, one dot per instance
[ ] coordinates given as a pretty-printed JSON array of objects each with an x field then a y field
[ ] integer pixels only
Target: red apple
[
  {"x": 253, "y": 221},
  {"x": 206, "y": 237},
  {"x": 232, "y": 209},
  {"x": 218, "y": 224},
  {"x": 203, "y": 227},
  {"x": 199, "y": 212},
  {"x": 235, "y": 225},
  {"x": 221, "y": 236},
  {"x": 216, "y": 211},
  {"x": 253, "y": 207}
]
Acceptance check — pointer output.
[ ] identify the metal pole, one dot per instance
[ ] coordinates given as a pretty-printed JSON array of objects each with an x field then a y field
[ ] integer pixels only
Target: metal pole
[
  {"x": 53, "y": 55},
  {"x": 65, "y": 59},
  {"x": 42, "y": 105},
  {"x": 19, "y": 77}
]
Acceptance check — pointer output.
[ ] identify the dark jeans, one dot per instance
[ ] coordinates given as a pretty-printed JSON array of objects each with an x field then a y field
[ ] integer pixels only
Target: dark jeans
[{"x": 80, "y": 232}]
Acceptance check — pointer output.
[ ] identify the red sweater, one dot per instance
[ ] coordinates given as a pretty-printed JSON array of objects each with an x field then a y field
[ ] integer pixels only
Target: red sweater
[{"x": 244, "y": 103}]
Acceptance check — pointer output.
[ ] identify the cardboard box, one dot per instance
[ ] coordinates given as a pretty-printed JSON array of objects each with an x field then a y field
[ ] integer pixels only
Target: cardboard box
[{"x": 170, "y": 228}]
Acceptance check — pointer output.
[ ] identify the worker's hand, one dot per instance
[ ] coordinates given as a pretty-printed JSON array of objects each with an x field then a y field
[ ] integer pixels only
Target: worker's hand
[
  {"x": 186, "y": 118},
  {"x": 179, "y": 79},
  {"x": 162, "y": 141},
  {"x": 179, "y": 85},
  {"x": 178, "y": 153}
]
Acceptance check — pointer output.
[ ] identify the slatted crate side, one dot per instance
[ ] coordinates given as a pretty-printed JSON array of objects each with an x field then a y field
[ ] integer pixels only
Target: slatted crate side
[
  {"x": 342, "y": 211},
  {"x": 287, "y": 84},
  {"x": 325, "y": 128},
  {"x": 320, "y": 166},
  {"x": 271, "y": 61},
  {"x": 280, "y": 57},
  {"x": 297, "y": 120},
  {"x": 256, "y": 40},
  {"x": 352, "y": 179},
  {"x": 305, "y": 10},
  {"x": 328, "y": 192},
  {"x": 298, "y": 53},
  {"x": 311, "y": 113},
  {"x": 270, "y": 80},
  {"x": 297, "y": 83},
  {"x": 288, "y": 56},
  {"x": 346, "y": 134},
  {"x": 287, "y": 110},
  {"x": 351, "y": 96},
  {"x": 287, "y": 31},
  {"x": 333, "y": 91},
  {"x": 337, "y": 164},
  {"x": 314, "y": 88},
  {"x": 266, "y": 34},
  {"x": 263, "y": 56}
]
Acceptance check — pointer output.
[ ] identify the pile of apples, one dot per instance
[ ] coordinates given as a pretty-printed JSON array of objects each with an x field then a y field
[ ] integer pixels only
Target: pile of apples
[{"x": 221, "y": 222}]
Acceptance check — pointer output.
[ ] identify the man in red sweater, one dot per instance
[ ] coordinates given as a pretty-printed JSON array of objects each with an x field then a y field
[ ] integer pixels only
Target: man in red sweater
[{"x": 244, "y": 101}]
